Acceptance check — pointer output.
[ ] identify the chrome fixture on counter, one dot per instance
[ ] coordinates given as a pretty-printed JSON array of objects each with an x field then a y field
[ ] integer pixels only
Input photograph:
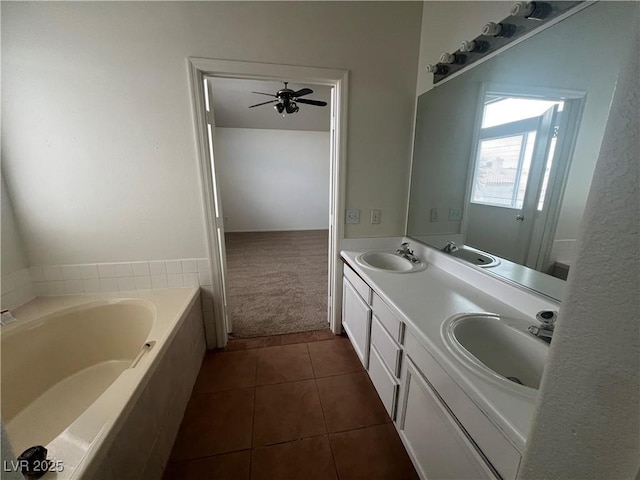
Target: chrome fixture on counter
[
  {"x": 547, "y": 318},
  {"x": 405, "y": 252},
  {"x": 450, "y": 247}
]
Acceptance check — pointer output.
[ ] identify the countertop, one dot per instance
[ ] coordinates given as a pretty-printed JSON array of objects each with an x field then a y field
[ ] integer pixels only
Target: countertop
[{"x": 424, "y": 300}]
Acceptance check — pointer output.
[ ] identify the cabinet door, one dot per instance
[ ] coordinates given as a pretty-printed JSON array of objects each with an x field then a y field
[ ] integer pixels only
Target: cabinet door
[
  {"x": 439, "y": 448},
  {"x": 356, "y": 320}
]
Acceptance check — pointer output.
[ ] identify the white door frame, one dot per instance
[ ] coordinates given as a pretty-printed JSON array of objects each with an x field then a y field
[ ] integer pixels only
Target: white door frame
[{"x": 198, "y": 68}]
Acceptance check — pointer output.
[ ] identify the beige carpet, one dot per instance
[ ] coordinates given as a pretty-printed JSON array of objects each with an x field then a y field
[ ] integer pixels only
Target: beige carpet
[{"x": 277, "y": 282}]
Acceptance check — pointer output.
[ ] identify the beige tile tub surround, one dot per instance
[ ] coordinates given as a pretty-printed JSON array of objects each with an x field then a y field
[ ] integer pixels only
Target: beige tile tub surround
[
  {"x": 120, "y": 276},
  {"x": 45, "y": 280},
  {"x": 53, "y": 280},
  {"x": 128, "y": 430}
]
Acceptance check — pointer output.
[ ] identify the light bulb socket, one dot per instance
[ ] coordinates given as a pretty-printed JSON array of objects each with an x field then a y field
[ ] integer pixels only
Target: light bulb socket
[
  {"x": 493, "y": 29},
  {"x": 470, "y": 46},
  {"x": 522, "y": 9},
  {"x": 531, "y": 10},
  {"x": 451, "y": 58},
  {"x": 437, "y": 69}
]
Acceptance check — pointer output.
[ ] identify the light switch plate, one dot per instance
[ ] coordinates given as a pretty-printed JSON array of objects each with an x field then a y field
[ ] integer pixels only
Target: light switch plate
[
  {"x": 435, "y": 215},
  {"x": 353, "y": 216},
  {"x": 375, "y": 216},
  {"x": 455, "y": 214}
]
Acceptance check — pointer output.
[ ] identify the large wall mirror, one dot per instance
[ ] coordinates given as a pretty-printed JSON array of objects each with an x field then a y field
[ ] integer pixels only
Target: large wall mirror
[{"x": 505, "y": 152}]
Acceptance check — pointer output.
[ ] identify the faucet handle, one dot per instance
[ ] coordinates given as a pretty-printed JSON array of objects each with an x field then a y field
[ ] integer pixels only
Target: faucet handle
[
  {"x": 404, "y": 249},
  {"x": 450, "y": 247}
]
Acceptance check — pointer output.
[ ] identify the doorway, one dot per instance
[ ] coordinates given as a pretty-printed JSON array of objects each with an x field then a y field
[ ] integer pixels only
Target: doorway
[
  {"x": 219, "y": 324},
  {"x": 273, "y": 169}
]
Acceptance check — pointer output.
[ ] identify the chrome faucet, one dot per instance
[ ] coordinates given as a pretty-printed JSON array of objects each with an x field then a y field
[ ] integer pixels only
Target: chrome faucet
[
  {"x": 450, "y": 247},
  {"x": 544, "y": 331},
  {"x": 406, "y": 252}
]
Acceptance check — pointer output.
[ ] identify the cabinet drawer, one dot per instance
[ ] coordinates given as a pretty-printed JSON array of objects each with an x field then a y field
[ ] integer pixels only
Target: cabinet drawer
[
  {"x": 504, "y": 457},
  {"x": 360, "y": 285},
  {"x": 387, "y": 318},
  {"x": 385, "y": 383},
  {"x": 389, "y": 350}
]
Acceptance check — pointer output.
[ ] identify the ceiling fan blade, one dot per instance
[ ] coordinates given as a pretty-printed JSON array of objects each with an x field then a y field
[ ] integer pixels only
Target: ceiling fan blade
[
  {"x": 302, "y": 92},
  {"x": 269, "y": 94},
  {"x": 264, "y": 103},
  {"x": 318, "y": 103}
]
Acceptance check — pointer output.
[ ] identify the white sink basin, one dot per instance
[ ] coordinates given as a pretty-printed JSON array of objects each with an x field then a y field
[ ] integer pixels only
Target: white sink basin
[
  {"x": 389, "y": 262},
  {"x": 502, "y": 353},
  {"x": 476, "y": 257}
]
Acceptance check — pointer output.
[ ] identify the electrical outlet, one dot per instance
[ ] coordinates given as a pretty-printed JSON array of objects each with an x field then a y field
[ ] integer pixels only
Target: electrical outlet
[
  {"x": 375, "y": 216},
  {"x": 455, "y": 214},
  {"x": 353, "y": 216},
  {"x": 435, "y": 215}
]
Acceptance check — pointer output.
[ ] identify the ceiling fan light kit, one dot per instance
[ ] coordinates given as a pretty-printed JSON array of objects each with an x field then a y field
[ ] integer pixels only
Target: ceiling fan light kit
[{"x": 286, "y": 100}]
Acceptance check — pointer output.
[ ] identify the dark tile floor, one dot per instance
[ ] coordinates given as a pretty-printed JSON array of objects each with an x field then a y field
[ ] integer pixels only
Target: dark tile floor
[{"x": 296, "y": 406}]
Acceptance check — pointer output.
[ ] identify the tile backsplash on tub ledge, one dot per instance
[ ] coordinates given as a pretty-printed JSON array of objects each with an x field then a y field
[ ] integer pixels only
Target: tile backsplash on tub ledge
[
  {"x": 120, "y": 277},
  {"x": 44, "y": 280}
]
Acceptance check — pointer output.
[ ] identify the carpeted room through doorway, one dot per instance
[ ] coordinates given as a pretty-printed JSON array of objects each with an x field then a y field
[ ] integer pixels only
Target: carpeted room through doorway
[{"x": 277, "y": 282}]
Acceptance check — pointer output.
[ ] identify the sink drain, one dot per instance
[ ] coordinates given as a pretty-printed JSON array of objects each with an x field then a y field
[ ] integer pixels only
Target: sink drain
[{"x": 515, "y": 380}]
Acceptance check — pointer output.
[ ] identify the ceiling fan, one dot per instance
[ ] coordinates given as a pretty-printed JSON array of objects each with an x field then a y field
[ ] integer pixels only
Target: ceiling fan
[{"x": 288, "y": 100}]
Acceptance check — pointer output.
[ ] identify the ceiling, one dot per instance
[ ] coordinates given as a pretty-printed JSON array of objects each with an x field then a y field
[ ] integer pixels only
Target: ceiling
[{"x": 232, "y": 98}]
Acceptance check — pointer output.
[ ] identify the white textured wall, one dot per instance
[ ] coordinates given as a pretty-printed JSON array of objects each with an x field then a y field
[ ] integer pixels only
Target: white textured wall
[
  {"x": 97, "y": 137},
  {"x": 16, "y": 284},
  {"x": 13, "y": 256},
  {"x": 588, "y": 414},
  {"x": 273, "y": 179},
  {"x": 445, "y": 25}
]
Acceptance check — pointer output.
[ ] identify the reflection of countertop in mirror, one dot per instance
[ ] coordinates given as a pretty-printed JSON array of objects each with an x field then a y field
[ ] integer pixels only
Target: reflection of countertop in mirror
[
  {"x": 425, "y": 300},
  {"x": 507, "y": 270},
  {"x": 540, "y": 282}
]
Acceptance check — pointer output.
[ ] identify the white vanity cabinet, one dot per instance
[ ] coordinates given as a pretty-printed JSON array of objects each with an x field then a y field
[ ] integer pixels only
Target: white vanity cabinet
[
  {"x": 445, "y": 432},
  {"x": 447, "y": 435},
  {"x": 437, "y": 444},
  {"x": 356, "y": 313}
]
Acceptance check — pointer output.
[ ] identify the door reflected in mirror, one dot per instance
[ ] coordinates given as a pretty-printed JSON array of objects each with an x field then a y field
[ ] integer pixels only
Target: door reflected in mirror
[
  {"x": 516, "y": 162},
  {"x": 504, "y": 153}
]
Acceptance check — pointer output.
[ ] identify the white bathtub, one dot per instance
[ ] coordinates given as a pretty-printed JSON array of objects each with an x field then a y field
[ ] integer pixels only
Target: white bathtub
[{"x": 75, "y": 368}]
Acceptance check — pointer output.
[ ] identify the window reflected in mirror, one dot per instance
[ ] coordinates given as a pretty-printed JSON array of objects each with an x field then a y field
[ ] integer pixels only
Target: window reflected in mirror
[{"x": 513, "y": 157}]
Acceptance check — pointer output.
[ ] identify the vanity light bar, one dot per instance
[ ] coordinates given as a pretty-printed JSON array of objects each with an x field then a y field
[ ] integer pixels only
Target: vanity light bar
[{"x": 525, "y": 18}]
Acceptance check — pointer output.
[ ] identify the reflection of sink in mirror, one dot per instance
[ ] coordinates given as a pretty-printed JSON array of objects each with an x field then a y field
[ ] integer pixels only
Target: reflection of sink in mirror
[
  {"x": 518, "y": 202},
  {"x": 500, "y": 352},
  {"x": 476, "y": 257},
  {"x": 389, "y": 262}
]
